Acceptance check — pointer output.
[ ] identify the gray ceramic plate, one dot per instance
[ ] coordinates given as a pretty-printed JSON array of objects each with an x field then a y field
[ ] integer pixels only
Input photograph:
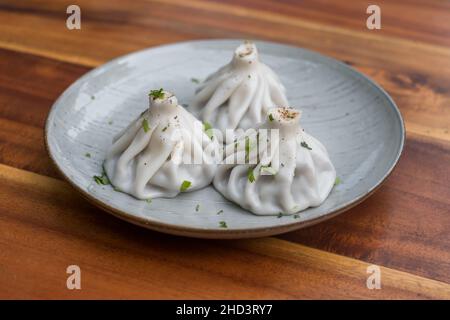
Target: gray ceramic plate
[{"x": 352, "y": 116}]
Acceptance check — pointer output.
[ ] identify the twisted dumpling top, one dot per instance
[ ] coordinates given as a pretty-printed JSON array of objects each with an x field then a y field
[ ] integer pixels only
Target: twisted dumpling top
[{"x": 240, "y": 93}]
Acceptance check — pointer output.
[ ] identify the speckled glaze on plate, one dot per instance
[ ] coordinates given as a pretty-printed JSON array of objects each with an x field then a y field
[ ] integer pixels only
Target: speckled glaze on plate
[{"x": 354, "y": 118}]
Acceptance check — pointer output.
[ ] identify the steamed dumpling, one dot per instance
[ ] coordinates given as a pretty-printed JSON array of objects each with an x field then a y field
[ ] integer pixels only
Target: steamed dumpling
[
  {"x": 240, "y": 93},
  {"x": 276, "y": 171},
  {"x": 163, "y": 152}
]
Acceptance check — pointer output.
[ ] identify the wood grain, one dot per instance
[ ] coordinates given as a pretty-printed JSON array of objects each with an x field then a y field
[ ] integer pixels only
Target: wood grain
[
  {"x": 115, "y": 29},
  {"x": 396, "y": 213},
  {"x": 24, "y": 105},
  {"x": 55, "y": 228},
  {"x": 424, "y": 21}
]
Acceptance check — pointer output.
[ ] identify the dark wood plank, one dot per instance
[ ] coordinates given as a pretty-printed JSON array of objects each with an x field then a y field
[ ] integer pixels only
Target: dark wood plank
[
  {"x": 55, "y": 228},
  {"x": 28, "y": 87}
]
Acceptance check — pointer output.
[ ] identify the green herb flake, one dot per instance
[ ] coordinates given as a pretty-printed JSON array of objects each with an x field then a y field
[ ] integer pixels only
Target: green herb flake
[
  {"x": 195, "y": 80},
  {"x": 110, "y": 122},
  {"x": 296, "y": 216},
  {"x": 305, "y": 145},
  {"x": 271, "y": 117},
  {"x": 92, "y": 97},
  {"x": 145, "y": 125},
  {"x": 87, "y": 155},
  {"x": 338, "y": 181},
  {"x": 223, "y": 224},
  {"x": 268, "y": 170},
  {"x": 207, "y": 127},
  {"x": 197, "y": 207},
  {"x": 164, "y": 129},
  {"x": 157, "y": 94},
  {"x": 149, "y": 200},
  {"x": 280, "y": 215},
  {"x": 247, "y": 149},
  {"x": 185, "y": 185},
  {"x": 101, "y": 180},
  {"x": 251, "y": 175},
  {"x": 220, "y": 211}
]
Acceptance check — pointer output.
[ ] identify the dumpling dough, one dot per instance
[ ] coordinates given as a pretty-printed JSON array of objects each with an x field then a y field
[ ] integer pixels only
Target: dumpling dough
[
  {"x": 240, "y": 93},
  {"x": 290, "y": 172},
  {"x": 147, "y": 161}
]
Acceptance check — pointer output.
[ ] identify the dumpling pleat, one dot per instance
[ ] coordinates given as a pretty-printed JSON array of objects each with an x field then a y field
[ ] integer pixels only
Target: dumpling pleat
[
  {"x": 222, "y": 93},
  {"x": 150, "y": 161},
  {"x": 122, "y": 142},
  {"x": 240, "y": 101},
  {"x": 138, "y": 144}
]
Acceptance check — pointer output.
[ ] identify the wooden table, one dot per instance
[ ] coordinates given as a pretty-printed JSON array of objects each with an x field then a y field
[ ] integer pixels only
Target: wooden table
[{"x": 45, "y": 225}]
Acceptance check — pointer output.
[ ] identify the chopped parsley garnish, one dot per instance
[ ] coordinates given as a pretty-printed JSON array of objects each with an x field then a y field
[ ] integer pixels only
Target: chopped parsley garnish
[
  {"x": 110, "y": 122},
  {"x": 251, "y": 175},
  {"x": 149, "y": 200},
  {"x": 223, "y": 224},
  {"x": 101, "y": 180},
  {"x": 296, "y": 216},
  {"x": 164, "y": 129},
  {"x": 280, "y": 215},
  {"x": 305, "y": 145},
  {"x": 207, "y": 127},
  {"x": 87, "y": 155},
  {"x": 116, "y": 189},
  {"x": 247, "y": 149},
  {"x": 185, "y": 185},
  {"x": 156, "y": 94},
  {"x": 271, "y": 117},
  {"x": 197, "y": 207},
  {"x": 268, "y": 170},
  {"x": 195, "y": 80},
  {"x": 93, "y": 97},
  {"x": 220, "y": 211},
  {"x": 145, "y": 125},
  {"x": 337, "y": 181}
]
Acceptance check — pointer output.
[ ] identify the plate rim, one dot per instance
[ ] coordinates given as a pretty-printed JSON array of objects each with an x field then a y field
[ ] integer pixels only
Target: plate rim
[{"x": 209, "y": 233}]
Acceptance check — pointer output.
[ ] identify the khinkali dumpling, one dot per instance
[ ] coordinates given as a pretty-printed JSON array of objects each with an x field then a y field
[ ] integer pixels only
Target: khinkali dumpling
[
  {"x": 280, "y": 171},
  {"x": 240, "y": 93},
  {"x": 163, "y": 152}
]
